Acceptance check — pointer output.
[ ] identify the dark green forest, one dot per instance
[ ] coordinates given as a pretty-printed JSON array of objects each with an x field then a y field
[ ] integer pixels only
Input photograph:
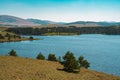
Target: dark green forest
[{"x": 113, "y": 30}]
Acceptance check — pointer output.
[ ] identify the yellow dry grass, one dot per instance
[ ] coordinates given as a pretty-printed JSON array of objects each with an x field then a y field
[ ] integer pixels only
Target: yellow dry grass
[{"x": 15, "y": 68}]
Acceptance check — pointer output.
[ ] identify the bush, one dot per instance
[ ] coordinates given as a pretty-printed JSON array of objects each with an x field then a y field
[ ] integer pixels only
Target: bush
[
  {"x": 40, "y": 56},
  {"x": 31, "y": 38},
  {"x": 70, "y": 63},
  {"x": 12, "y": 53},
  {"x": 52, "y": 57}
]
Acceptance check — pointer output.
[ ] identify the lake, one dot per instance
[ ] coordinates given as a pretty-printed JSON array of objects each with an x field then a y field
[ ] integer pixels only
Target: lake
[{"x": 102, "y": 51}]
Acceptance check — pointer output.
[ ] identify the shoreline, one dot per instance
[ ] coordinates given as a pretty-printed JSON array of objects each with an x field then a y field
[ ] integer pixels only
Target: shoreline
[{"x": 18, "y": 40}]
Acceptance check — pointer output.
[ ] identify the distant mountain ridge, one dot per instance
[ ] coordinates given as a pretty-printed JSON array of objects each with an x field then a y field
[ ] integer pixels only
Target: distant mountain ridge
[
  {"x": 44, "y": 22},
  {"x": 92, "y": 23},
  {"x": 12, "y": 20}
]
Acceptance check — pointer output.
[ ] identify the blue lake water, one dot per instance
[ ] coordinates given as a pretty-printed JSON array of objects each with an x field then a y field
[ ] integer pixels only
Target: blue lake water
[{"x": 102, "y": 51}]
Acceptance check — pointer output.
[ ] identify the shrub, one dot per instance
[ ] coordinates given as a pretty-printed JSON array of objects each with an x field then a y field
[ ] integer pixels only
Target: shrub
[
  {"x": 12, "y": 53},
  {"x": 40, "y": 56}
]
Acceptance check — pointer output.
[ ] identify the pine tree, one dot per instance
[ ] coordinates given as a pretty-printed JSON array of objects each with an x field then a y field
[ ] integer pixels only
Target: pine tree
[
  {"x": 70, "y": 63},
  {"x": 40, "y": 56},
  {"x": 80, "y": 59},
  {"x": 52, "y": 57},
  {"x": 83, "y": 63},
  {"x": 12, "y": 53}
]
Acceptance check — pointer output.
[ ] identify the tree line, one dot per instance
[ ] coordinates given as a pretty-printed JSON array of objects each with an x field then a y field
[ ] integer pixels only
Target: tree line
[
  {"x": 69, "y": 61},
  {"x": 71, "y": 29},
  {"x": 9, "y": 36}
]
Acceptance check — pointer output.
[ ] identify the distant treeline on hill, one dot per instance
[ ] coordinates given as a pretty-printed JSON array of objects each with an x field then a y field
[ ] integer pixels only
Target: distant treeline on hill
[{"x": 71, "y": 29}]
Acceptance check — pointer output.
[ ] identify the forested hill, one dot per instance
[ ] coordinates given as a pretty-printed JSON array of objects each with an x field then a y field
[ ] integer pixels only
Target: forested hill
[{"x": 58, "y": 30}]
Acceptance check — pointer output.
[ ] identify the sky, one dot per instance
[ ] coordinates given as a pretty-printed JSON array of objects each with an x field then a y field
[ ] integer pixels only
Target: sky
[{"x": 63, "y": 10}]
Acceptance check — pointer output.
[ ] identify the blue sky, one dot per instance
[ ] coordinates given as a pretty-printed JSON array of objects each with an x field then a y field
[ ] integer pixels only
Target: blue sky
[{"x": 63, "y": 10}]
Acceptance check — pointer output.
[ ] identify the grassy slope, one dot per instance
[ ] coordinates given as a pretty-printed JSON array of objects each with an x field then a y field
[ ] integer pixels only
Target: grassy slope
[{"x": 15, "y": 68}]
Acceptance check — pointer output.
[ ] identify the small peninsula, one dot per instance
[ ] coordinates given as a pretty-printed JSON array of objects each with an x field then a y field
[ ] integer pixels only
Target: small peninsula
[{"x": 12, "y": 37}]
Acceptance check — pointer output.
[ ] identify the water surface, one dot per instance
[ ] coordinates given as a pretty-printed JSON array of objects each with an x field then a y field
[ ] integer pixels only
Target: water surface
[{"x": 102, "y": 51}]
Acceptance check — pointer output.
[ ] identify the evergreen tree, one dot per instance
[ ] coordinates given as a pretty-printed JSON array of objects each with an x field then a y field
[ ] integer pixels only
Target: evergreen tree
[
  {"x": 52, "y": 57},
  {"x": 40, "y": 56},
  {"x": 70, "y": 63},
  {"x": 1, "y": 36},
  {"x": 83, "y": 63},
  {"x": 80, "y": 59},
  {"x": 12, "y": 53}
]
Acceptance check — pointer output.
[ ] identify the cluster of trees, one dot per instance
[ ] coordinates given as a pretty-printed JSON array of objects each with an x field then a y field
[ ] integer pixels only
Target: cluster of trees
[
  {"x": 51, "y": 57},
  {"x": 69, "y": 61},
  {"x": 9, "y": 36},
  {"x": 71, "y": 64},
  {"x": 73, "y": 29},
  {"x": 12, "y": 36}
]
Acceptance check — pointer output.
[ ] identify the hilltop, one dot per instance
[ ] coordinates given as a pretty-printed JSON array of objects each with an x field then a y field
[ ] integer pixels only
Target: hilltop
[
  {"x": 16, "y": 68},
  {"x": 13, "y": 21},
  {"x": 93, "y": 24}
]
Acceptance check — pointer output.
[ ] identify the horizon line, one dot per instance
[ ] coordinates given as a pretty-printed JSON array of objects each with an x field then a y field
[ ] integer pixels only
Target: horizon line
[{"x": 59, "y": 21}]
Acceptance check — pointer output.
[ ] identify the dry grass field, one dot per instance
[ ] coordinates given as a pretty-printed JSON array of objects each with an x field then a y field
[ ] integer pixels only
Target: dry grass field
[{"x": 16, "y": 68}]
